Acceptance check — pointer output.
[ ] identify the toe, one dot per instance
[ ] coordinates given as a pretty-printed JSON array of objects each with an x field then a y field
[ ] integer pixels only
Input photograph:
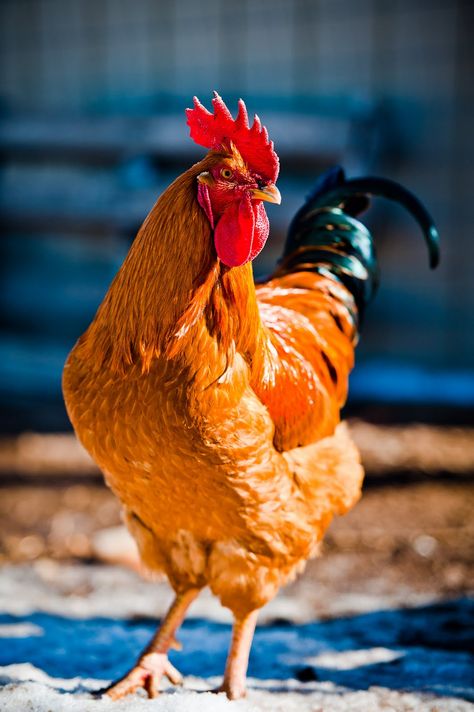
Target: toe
[
  {"x": 234, "y": 690},
  {"x": 173, "y": 675},
  {"x": 147, "y": 674},
  {"x": 152, "y": 686},
  {"x": 126, "y": 686}
]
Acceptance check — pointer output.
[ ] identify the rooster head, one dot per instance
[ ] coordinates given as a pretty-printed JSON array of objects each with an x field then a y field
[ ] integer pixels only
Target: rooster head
[{"x": 241, "y": 177}]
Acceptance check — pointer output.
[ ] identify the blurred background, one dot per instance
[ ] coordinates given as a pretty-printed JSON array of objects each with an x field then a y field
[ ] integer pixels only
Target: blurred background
[{"x": 92, "y": 129}]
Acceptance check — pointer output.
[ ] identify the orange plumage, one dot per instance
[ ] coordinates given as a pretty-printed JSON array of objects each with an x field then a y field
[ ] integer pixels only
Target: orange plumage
[{"x": 212, "y": 408}]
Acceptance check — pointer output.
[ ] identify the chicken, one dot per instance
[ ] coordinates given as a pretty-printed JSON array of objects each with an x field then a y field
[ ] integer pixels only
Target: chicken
[{"x": 212, "y": 405}]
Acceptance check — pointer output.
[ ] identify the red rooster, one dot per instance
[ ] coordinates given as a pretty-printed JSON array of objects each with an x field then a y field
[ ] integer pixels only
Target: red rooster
[{"x": 211, "y": 404}]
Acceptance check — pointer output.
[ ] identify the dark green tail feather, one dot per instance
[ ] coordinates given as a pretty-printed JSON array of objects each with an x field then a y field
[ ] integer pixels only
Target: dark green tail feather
[{"x": 325, "y": 237}]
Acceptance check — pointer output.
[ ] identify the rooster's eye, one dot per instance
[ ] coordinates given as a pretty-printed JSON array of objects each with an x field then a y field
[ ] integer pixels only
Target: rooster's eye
[{"x": 226, "y": 173}]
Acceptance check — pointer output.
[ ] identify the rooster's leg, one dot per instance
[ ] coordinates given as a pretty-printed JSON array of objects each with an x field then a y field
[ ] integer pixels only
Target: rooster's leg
[
  {"x": 153, "y": 663},
  {"x": 237, "y": 660}
]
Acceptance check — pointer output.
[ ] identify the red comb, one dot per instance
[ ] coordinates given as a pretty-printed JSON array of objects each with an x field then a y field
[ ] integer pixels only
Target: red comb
[{"x": 218, "y": 129}]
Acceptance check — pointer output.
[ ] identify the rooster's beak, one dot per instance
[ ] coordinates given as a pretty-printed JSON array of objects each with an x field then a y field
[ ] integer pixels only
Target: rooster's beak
[
  {"x": 206, "y": 179},
  {"x": 270, "y": 193}
]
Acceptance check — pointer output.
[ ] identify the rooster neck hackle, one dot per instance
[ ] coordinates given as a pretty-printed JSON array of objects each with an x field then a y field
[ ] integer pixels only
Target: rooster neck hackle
[{"x": 170, "y": 284}]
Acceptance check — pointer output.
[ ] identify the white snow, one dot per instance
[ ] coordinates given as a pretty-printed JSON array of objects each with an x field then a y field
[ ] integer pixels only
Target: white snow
[
  {"x": 82, "y": 591},
  {"x": 31, "y": 690},
  {"x": 20, "y": 630},
  {"x": 351, "y": 659},
  {"x": 113, "y": 591}
]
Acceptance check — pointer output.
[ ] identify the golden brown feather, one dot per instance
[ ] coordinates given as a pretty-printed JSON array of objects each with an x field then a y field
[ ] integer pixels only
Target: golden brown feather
[{"x": 212, "y": 407}]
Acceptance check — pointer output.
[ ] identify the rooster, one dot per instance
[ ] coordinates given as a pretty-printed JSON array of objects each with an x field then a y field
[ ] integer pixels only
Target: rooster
[{"x": 211, "y": 404}]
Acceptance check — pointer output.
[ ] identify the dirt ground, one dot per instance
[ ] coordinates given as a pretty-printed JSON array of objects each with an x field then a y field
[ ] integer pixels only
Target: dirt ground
[{"x": 416, "y": 536}]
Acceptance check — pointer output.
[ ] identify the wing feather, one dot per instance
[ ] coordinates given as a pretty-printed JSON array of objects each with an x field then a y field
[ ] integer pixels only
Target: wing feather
[{"x": 302, "y": 380}]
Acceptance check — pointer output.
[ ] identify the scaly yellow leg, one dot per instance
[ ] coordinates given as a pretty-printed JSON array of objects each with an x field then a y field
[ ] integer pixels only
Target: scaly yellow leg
[
  {"x": 237, "y": 660},
  {"x": 153, "y": 663}
]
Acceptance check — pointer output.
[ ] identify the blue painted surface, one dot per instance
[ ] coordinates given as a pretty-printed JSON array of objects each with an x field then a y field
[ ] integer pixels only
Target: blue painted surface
[
  {"x": 391, "y": 382},
  {"x": 434, "y": 643}
]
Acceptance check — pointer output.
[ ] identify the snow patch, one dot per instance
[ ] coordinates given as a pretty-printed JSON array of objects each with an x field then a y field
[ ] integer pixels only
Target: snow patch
[
  {"x": 44, "y": 694},
  {"x": 351, "y": 659},
  {"x": 113, "y": 591},
  {"x": 80, "y": 591},
  {"x": 20, "y": 630}
]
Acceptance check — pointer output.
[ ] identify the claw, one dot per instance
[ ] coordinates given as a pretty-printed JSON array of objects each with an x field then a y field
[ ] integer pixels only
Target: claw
[
  {"x": 173, "y": 675},
  {"x": 147, "y": 674},
  {"x": 176, "y": 644}
]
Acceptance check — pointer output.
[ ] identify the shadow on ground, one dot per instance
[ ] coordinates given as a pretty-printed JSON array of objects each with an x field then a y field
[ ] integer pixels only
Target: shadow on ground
[{"x": 424, "y": 649}]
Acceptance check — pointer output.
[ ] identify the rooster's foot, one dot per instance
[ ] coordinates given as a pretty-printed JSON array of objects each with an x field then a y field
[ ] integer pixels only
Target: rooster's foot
[
  {"x": 147, "y": 673},
  {"x": 234, "y": 690}
]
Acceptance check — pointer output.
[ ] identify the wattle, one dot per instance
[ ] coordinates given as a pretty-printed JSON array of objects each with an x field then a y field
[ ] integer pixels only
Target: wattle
[{"x": 241, "y": 232}]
